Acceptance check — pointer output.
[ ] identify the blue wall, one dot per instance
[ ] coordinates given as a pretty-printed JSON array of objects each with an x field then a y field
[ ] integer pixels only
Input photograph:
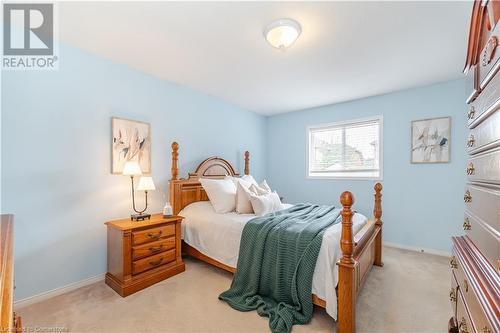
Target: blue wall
[
  {"x": 422, "y": 204},
  {"x": 56, "y": 177}
]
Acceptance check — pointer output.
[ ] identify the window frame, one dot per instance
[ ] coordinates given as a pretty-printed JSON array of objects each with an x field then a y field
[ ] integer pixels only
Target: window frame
[{"x": 380, "y": 119}]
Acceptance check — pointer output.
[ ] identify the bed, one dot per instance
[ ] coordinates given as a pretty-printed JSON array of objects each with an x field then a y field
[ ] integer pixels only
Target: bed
[{"x": 353, "y": 245}]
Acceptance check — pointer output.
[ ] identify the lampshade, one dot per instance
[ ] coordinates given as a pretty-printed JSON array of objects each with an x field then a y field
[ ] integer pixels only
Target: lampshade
[
  {"x": 132, "y": 168},
  {"x": 146, "y": 184},
  {"x": 282, "y": 33}
]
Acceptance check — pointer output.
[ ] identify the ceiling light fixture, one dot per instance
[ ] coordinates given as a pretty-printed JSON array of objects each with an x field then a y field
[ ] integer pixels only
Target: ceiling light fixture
[{"x": 282, "y": 33}]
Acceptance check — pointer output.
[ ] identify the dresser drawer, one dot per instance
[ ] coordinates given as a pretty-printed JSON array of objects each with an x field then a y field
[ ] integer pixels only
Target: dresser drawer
[
  {"x": 485, "y": 237},
  {"x": 463, "y": 319},
  {"x": 484, "y": 167},
  {"x": 486, "y": 135},
  {"x": 477, "y": 317},
  {"x": 488, "y": 58},
  {"x": 153, "y": 234},
  {"x": 453, "y": 294},
  {"x": 487, "y": 102},
  {"x": 149, "y": 249},
  {"x": 157, "y": 260},
  {"x": 483, "y": 203}
]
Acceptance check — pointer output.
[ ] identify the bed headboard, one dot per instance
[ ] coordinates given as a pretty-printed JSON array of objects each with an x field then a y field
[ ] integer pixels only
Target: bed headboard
[{"x": 189, "y": 190}]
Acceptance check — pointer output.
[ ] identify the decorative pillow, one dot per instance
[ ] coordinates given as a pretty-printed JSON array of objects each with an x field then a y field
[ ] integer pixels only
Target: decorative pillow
[
  {"x": 261, "y": 189},
  {"x": 265, "y": 186},
  {"x": 243, "y": 204},
  {"x": 221, "y": 193},
  {"x": 265, "y": 204},
  {"x": 245, "y": 178}
]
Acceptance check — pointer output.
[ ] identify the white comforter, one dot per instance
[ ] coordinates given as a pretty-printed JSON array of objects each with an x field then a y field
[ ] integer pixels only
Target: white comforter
[{"x": 218, "y": 236}]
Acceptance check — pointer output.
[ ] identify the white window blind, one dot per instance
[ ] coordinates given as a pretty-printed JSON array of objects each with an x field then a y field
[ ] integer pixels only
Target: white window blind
[{"x": 346, "y": 150}]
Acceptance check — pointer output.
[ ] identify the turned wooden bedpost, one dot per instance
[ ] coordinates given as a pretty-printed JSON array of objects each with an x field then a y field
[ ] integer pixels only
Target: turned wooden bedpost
[
  {"x": 377, "y": 213},
  {"x": 247, "y": 163},
  {"x": 175, "y": 156},
  {"x": 346, "y": 286}
]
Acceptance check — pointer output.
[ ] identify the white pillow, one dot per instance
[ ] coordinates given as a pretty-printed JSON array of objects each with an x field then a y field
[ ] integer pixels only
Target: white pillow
[
  {"x": 243, "y": 204},
  {"x": 261, "y": 189},
  {"x": 266, "y": 203},
  {"x": 221, "y": 193},
  {"x": 265, "y": 186},
  {"x": 245, "y": 178}
]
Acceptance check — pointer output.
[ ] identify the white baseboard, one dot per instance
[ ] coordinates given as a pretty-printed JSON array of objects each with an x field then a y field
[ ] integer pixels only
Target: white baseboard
[
  {"x": 418, "y": 249},
  {"x": 58, "y": 291}
]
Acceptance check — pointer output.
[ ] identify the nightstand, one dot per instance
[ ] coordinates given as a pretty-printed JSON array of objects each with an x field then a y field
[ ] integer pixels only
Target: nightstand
[{"x": 143, "y": 253}]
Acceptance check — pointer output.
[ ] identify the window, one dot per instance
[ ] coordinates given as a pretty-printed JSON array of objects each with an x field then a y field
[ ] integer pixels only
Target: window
[{"x": 350, "y": 149}]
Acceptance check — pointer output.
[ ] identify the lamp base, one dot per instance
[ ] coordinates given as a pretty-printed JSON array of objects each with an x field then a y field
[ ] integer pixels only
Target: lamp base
[{"x": 140, "y": 217}]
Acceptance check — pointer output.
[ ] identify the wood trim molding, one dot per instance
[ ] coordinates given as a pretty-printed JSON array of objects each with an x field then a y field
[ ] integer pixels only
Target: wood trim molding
[{"x": 57, "y": 291}]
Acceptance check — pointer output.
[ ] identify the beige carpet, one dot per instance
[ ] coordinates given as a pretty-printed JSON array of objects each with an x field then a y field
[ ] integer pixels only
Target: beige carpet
[{"x": 409, "y": 294}]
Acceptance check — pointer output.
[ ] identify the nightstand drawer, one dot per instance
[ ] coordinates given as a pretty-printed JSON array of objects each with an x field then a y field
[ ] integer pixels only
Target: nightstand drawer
[
  {"x": 153, "y": 234},
  {"x": 142, "y": 265},
  {"x": 149, "y": 249}
]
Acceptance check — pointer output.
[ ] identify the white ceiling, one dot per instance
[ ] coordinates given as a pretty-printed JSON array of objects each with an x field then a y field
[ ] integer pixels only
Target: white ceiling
[{"x": 347, "y": 50}]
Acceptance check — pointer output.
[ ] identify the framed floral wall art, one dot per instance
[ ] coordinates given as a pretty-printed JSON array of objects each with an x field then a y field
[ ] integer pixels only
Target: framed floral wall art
[
  {"x": 131, "y": 141},
  {"x": 431, "y": 140}
]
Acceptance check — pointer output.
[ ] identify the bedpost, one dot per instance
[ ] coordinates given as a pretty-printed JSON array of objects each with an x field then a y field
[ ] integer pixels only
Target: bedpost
[
  {"x": 346, "y": 286},
  {"x": 377, "y": 213},
  {"x": 247, "y": 162},
  {"x": 175, "y": 155}
]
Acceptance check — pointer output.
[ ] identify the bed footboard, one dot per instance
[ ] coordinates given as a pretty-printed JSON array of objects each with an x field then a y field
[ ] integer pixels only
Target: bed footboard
[{"x": 359, "y": 254}]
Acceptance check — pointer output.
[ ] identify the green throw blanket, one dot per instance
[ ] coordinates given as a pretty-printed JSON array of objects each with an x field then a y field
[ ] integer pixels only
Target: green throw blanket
[{"x": 277, "y": 257}]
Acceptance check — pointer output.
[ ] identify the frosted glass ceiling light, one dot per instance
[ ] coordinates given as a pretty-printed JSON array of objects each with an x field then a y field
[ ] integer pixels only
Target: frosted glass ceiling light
[{"x": 282, "y": 33}]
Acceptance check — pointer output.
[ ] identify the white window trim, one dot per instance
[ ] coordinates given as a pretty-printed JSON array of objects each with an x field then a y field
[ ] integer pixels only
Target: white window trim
[{"x": 380, "y": 118}]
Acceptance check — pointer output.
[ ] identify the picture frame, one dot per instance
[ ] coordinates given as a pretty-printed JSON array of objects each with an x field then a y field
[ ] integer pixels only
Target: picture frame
[
  {"x": 431, "y": 140},
  {"x": 130, "y": 141}
]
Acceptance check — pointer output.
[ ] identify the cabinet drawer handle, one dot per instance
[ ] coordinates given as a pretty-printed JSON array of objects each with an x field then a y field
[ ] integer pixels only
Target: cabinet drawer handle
[
  {"x": 453, "y": 262},
  {"x": 157, "y": 262},
  {"x": 489, "y": 51},
  {"x": 466, "y": 286},
  {"x": 462, "y": 327},
  {"x": 156, "y": 249},
  {"x": 466, "y": 224},
  {"x": 154, "y": 236},
  {"x": 470, "y": 169},
  {"x": 467, "y": 196},
  {"x": 471, "y": 113},
  {"x": 471, "y": 141},
  {"x": 453, "y": 295}
]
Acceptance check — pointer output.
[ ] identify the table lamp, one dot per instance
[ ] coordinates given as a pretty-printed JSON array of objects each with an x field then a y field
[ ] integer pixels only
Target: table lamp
[{"x": 146, "y": 184}]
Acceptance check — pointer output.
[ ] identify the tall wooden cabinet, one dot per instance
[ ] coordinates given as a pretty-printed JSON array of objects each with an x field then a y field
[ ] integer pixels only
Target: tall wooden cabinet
[{"x": 475, "y": 264}]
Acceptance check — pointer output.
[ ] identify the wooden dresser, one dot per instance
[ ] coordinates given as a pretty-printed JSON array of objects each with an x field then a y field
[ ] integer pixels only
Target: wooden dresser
[
  {"x": 475, "y": 263},
  {"x": 9, "y": 321},
  {"x": 143, "y": 253}
]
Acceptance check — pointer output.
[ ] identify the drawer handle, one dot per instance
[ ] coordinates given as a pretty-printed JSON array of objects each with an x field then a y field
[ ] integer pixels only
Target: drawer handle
[
  {"x": 471, "y": 141},
  {"x": 466, "y": 224},
  {"x": 467, "y": 196},
  {"x": 154, "y": 236},
  {"x": 157, "y": 262},
  {"x": 470, "y": 169},
  {"x": 453, "y": 295},
  {"x": 466, "y": 285},
  {"x": 471, "y": 113},
  {"x": 489, "y": 51},
  {"x": 156, "y": 249},
  {"x": 462, "y": 327},
  {"x": 453, "y": 262}
]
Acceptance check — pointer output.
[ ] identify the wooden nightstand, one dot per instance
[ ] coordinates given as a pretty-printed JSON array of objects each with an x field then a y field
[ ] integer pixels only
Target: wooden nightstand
[{"x": 143, "y": 253}]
